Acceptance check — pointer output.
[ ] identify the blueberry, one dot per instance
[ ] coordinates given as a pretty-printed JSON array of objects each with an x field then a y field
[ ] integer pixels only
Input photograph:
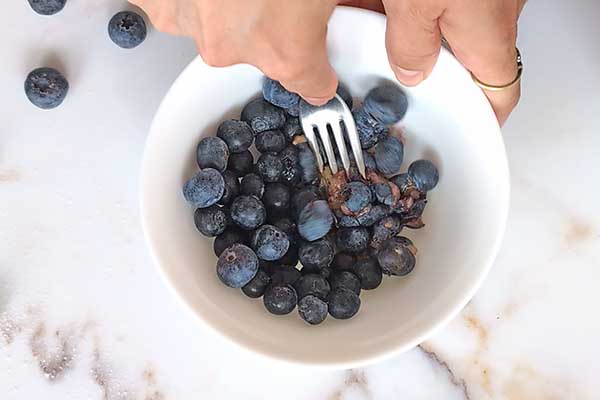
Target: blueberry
[
  {"x": 352, "y": 240},
  {"x": 346, "y": 221},
  {"x": 252, "y": 184},
  {"x": 395, "y": 257},
  {"x": 374, "y": 215},
  {"x": 302, "y": 197},
  {"x": 386, "y": 103},
  {"x": 273, "y": 140},
  {"x": 369, "y": 130},
  {"x": 344, "y": 280},
  {"x": 277, "y": 95},
  {"x": 280, "y": 299},
  {"x": 369, "y": 160},
  {"x": 344, "y": 93},
  {"x": 308, "y": 163},
  {"x": 291, "y": 128},
  {"x": 46, "y": 88},
  {"x": 412, "y": 218},
  {"x": 289, "y": 227},
  {"x": 210, "y": 221},
  {"x": 237, "y": 265},
  {"x": 276, "y": 197},
  {"x": 237, "y": 134},
  {"x": 47, "y": 7},
  {"x": 404, "y": 182},
  {"x": 368, "y": 272},
  {"x": 343, "y": 261},
  {"x": 343, "y": 303},
  {"x": 230, "y": 237},
  {"x": 127, "y": 29},
  {"x": 388, "y": 227},
  {"x": 212, "y": 152},
  {"x": 357, "y": 196},
  {"x": 258, "y": 285},
  {"x": 205, "y": 188},
  {"x": 232, "y": 187},
  {"x": 241, "y": 163},
  {"x": 290, "y": 173},
  {"x": 270, "y": 243},
  {"x": 263, "y": 116},
  {"x": 248, "y": 212},
  {"x": 285, "y": 275},
  {"x": 293, "y": 111},
  {"x": 313, "y": 284},
  {"x": 269, "y": 167},
  {"x": 389, "y": 153},
  {"x": 315, "y": 220},
  {"x": 424, "y": 174},
  {"x": 316, "y": 255},
  {"x": 312, "y": 309}
]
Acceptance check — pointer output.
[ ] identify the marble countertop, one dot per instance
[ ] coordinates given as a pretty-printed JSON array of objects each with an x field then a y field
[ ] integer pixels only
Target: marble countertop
[{"x": 84, "y": 314}]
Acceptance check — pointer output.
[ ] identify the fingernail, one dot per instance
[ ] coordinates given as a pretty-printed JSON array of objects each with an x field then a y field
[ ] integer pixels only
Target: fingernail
[
  {"x": 317, "y": 101},
  {"x": 407, "y": 76}
]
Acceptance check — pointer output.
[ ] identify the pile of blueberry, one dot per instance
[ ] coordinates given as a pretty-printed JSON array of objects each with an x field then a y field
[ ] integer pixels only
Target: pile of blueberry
[
  {"x": 46, "y": 87},
  {"x": 294, "y": 236}
]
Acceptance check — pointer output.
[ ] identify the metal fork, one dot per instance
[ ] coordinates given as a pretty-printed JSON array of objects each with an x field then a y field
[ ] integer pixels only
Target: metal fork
[{"x": 317, "y": 122}]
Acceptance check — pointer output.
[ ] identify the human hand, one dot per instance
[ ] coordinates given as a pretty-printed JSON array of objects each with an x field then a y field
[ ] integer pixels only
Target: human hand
[
  {"x": 482, "y": 35},
  {"x": 272, "y": 35}
]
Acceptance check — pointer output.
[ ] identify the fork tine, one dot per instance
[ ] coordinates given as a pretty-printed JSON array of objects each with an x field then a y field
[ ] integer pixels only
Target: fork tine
[
  {"x": 341, "y": 146},
  {"x": 355, "y": 145},
  {"x": 309, "y": 133},
  {"x": 324, "y": 136}
]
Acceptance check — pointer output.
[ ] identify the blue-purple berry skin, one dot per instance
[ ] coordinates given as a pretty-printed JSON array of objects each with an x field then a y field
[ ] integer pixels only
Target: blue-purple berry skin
[
  {"x": 424, "y": 174},
  {"x": 47, "y": 7},
  {"x": 127, "y": 29},
  {"x": 248, "y": 212},
  {"x": 277, "y": 95},
  {"x": 212, "y": 152},
  {"x": 270, "y": 243},
  {"x": 205, "y": 188},
  {"x": 312, "y": 309},
  {"x": 46, "y": 88},
  {"x": 389, "y": 154},
  {"x": 262, "y": 115},
  {"x": 237, "y": 134},
  {"x": 343, "y": 303},
  {"x": 387, "y": 104},
  {"x": 315, "y": 220},
  {"x": 280, "y": 299},
  {"x": 237, "y": 265},
  {"x": 369, "y": 130}
]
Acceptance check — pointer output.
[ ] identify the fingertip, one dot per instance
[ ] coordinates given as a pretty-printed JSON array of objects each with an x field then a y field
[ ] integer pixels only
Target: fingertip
[{"x": 408, "y": 77}]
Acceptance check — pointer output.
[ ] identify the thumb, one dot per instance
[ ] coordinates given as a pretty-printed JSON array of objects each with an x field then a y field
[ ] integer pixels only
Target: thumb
[{"x": 413, "y": 39}]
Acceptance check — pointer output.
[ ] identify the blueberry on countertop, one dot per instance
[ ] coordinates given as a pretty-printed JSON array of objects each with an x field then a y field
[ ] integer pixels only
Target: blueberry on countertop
[
  {"x": 248, "y": 212},
  {"x": 262, "y": 115},
  {"x": 47, "y": 7},
  {"x": 386, "y": 103},
  {"x": 237, "y": 265},
  {"x": 46, "y": 88},
  {"x": 424, "y": 174},
  {"x": 237, "y": 134},
  {"x": 312, "y": 309},
  {"x": 127, "y": 29},
  {"x": 205, "y": 188},
  {"x": 280, "y": 299}
]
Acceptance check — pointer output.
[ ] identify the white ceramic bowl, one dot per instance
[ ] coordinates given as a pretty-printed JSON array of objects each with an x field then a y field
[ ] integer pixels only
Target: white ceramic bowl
[{"x": 449, "y": 121}]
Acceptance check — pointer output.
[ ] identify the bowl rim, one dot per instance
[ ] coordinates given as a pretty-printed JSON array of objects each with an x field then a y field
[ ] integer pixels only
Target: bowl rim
[{"x": 379, "y": 354}]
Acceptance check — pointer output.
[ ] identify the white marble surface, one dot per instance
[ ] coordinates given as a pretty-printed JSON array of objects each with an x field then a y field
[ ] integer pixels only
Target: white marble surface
[{"x": 84, "y": 315}]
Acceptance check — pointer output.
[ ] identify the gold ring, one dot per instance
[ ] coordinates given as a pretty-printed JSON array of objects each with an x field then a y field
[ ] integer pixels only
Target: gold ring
[{"x": 495, "y": 88}]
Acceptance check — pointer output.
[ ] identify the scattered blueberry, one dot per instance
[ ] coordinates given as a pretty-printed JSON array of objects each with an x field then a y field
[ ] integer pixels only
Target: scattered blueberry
[
  {"x": 46, "y": 88},
  {"x": 269, "y": 167},
  {"x": 343, "y": 303},
  {"x": 232, "y": 187},
  {"x": 312, "y": 309},
  {"x": 317, "y": 255},
  {"x": 368, "y": 272},
  {"x": 270, "y": 243},
  {"x": 241, "y": 163},
  {"x": 291, "y": 128},
  {"x": 212, "y": 152},
  {"x": 258, "y": 285},
  {"x": 273, "y": 140},
  {"x": 344, "y": 280},
  {"x": 248, "y": 212},
  {"x": 344, "y": 93},
  {"x": 237, "y": 134},
  {"x": 374, "y": 215},
  {"x": 280, "y": 299},
  {"x": 277, "y": 95},
  {"x": 205, "y": 188},
  {"x": 252, "y": 184},
  {"x": 369, "y": 130},
  {"x": 389, "y": 154},
  {"x": 424, "y": 174},
  {"x": 127, "y": 29},
  {"x": 357, "y": 195},
  {"x": 276, "y": 197},
  {"x": 315, "y": 220},
  {"x": 387, "y": 104},
  {"x": 308, "y": 163},
  {"x": 263, "y": 116},
  {"x": 47, "y": 7},
  {"x": 237, "y": 265},
  {"x": 230, "y": 237},
  {"x": 395, "y": 257},
  {"x": 352, "y": 240},
  {"x": 210, "y": 221}
]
